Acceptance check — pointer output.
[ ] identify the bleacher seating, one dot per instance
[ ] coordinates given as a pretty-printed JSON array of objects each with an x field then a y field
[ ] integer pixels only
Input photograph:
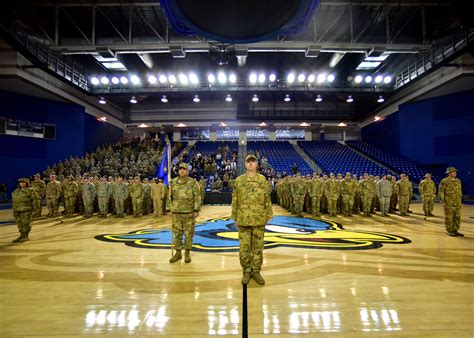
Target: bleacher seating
[
  {"x": 398, "y": 163},
  {"x": 334, "y": 157},
  {"x": 210, "y": 148},
  {"x": 281, "y": 156}
]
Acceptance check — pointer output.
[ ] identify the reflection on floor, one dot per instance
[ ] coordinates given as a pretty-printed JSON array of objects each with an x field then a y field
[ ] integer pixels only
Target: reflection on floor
[{"x": 345, "y": 276}]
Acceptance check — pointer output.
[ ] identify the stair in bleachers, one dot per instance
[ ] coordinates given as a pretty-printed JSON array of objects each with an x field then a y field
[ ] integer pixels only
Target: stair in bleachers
[
  {"x": 307, "y": 159},
  {"x": 281, "y": 156},
  {"x": 333, "y": 157}
]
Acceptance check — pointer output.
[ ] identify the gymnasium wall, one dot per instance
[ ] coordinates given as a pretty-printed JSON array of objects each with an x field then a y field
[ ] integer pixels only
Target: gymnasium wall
[
  {"x": 76, "y": 133},
  {"x": 437, "y": 131}
]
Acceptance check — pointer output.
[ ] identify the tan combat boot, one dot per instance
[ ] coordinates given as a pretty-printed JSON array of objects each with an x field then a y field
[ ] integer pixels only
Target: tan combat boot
[
  {"x": 187, "y": 256},
  {"x": 177, "y": 257},
  {"x": 258, "y": 278},
  {"x": 16, "y": 240},
  {"x": 24, "y": 237},
  {"x": 246, "y": 278}
]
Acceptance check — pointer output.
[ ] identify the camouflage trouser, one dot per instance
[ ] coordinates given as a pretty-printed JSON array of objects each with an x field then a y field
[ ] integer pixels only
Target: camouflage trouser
[
  {"x": 299, "y": 201},
  {"x": 316, "y": 205},
  {"x": 332, "y": 204},
  {"x": 375, "y": 204},
  {"x": 23, "y": 221},
  {"x": 80, "y": 204},
  {"x": 88, "y": 206},
  {"x": 403, "y": 202},
  {"x": 251, "y": 247},
  {"x": 366, "y": 204},
  {"x": 69, "y": 205},
  {"x": 428, "y": 204},
  {"x": 339, "y": 204},
  {"x": 183, "y": 223},
  {"x": 157, "y": 207},
  {"x": 357, "y": 203},
  {"x": 37, "y": 207},
  {"x": 324, "y": 203},
  {"x": 103, "y": 205},
  {"x": 119, "y": 206},
  {"x": 393, "y": 203},
  {"x": 452, "y": 217},
  {"x": 348, "y": 203},
  {"x": 384, "y": 204},
  {"x": 137, "y": 206},
  {"x": 53, "y": 205}
]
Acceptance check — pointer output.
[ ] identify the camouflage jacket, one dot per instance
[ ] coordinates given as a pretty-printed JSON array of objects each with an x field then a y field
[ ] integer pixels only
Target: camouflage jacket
[
  {"x": 331, "y": 188},
  {"x": 137, "y": 190},
  {"x": 427, "y": 188},
  {"x": 348, "y": 187},
  {"x": 450, "y": 191},
  {"x": 88, "y": 190},
  {"x": 39, "y": 187},
  {"x": 70, "y": 189},
  {"x": 23, "y": 199},
  {"x": 158, "y": 190},
  {"x": 404, "y": 188},
  {"x": 384, "y": 188},
  {"x": 104, "y": 190},
  {"x": 366, "y": 188},
  {"x": 251, "y": 204},
  {"x": 120, "y": 190},
  {"x": 53, "y": 189},
  {"x": 185, "y": 196}
]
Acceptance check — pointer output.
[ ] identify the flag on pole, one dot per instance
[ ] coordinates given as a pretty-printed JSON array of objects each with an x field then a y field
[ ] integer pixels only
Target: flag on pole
[{"x": 164, "y": 172}]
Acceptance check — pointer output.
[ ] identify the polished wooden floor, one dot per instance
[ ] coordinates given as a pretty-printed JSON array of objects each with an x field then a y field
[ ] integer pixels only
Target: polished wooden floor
[{"x": 64, "y": 282}]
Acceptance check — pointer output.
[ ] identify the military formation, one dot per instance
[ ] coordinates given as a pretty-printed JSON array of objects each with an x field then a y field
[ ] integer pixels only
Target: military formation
[{"x": 367, "y": 194}]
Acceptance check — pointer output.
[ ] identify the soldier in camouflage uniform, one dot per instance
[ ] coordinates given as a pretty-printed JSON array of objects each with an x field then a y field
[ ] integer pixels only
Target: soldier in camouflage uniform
[
  {"x": 339, "y": 198},
  {"x": 39, "y": 186},
  {"x": 316, "y": 192},
  {"x": 427, "y": 190},
  {"x": 251, "y": 210},
  {"x": 184, "y": 203},
  {"x": 120, "y": 193},
  {"x": 298, "y": 192},
  {"x": 324, "y": 198},
  {"x": 375, "y": 199},
  {"x": 70, "y": 189},
  {"x": 450, "y": 195},
  {"x": 23, "y": 200},
  {"x": 137, "y": 193},
  {"x": 348, "y": 188},
  {"x": 384, "y": 192},
  {"x": 331, "y": 190},
  {"x": 158, "y": 191},
  {"x": 104, "y": 191},
  {"x": 53, "y": 192},
  {"x": 357, "y": 199},
  {"x": 88, "y": 196},
  {"x": 404, "y": 193},
  {"x": 147, "y": 202},
  {"x": 367, "y": 192},
  {"x": 394, "y": 197}
]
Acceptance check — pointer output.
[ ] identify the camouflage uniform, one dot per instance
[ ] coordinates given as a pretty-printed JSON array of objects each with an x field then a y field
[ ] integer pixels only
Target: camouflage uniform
[
  {"x": 348, "y": 188},
  {"x": 427, "y": 190},
  {"x": 367, "y": 192},
  {"x": 404, "y": 193},
  {"x": 251, "y": 210},
  {"x": 120, "y": 193},
  {"x": 316, "y": 191},
  {"x": 384, "y": 192},
  {"x": 23, "y": 200},
  {"x": 298, "y": 192},
  {"x": 158, "y": 191},
  {"x": 147, "y": 202},
  {"x": 450, "y": 194},
  {"x": 70, "y": 190},
  {"x": 53, "y": 192},
  {"x": 394, "y": 197},
  {"x": 339, "y": 198},
  {"x": 184, "y": 200},
  {"x": 88, "y": 196},
  {"x": 137, "y": 192},
  {"x": 40, "y": 187},
  {"x": 104, "y": 191},
  {"x": 331, "y": 190}
]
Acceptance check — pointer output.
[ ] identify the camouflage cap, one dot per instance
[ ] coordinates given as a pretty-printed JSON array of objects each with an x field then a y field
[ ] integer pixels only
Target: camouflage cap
[
  {"x": 37, "y": 175},
  {"x": 427, "y": 175},
  {"x": 136, "y": 178},
  {"x": 339, "y": 175},
  {"x": 250, "y": 157},
  {"x": 331, "y": 174},
  {"x": 403, "y": 175},
  {"x": 348, "y": 174},
  {"x": 450, "y": 170},
  {"x": 183, "y": 165},
  {"x": 23, "y": 179}
]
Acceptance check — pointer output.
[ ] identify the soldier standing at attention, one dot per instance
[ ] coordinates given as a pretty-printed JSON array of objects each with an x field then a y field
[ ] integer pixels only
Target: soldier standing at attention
[
  {"x": 299, "y": 191},
  {"x": 104, "y": 191},
  {"x": 53, "y": 192},
  {"x": 384, "y": 192},
  {"x": 147, "y": 203},
  {"x": 137, "y": 192},
  {"x": 39, "y": 186},
  {"x": 157, "y": 191},
  {"x": 120, "y": 193},
  {"x": 331, "y": 190},
  {"x": 393, "y": 198},
  {"x": 88, "y": 195},
  {"x": 251, "y": 210},
  {"x": 316, "y": 191},
  {"x": 450, "y": 195},
  {"x": 185, "y": 203},
  {"x": 23, "y": 200},
  {"x": 366, "y": 192},
  {"x": 348, "y": 188},
  {"x": 427, "y": 191},
  {"x": 404, "y": 193},
  {"x": 70, "y": 189}
]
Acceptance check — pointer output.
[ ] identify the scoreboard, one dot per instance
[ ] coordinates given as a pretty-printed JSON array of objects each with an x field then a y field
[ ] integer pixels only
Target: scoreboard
[{"x": 15, "y": 127}]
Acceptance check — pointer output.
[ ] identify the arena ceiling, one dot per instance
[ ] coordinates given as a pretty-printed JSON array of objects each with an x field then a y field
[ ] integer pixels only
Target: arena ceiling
[{"x": 81, "y": 40}]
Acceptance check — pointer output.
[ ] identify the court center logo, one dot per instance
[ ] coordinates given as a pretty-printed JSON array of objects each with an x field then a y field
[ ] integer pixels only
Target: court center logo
[{"x": 220, "y": 235}]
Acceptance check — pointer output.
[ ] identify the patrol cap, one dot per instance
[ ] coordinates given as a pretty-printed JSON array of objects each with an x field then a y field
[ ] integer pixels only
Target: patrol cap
[
  {"x": 348, "y": 174},
  {"x": 136, "y": 178},
  {"x": 183, "y": 165},
  {"x": 331, "y": 174},
  {"x": 23, "y": 179},
  {"x": 403, "y": 175},
  {"x": 450, "y": 170},
  {"x": 427, "y": 175},
  {"x": 250, "y": 157},
  {"x": 37, "y": 175},
  {"x": 339, "y": 175}
]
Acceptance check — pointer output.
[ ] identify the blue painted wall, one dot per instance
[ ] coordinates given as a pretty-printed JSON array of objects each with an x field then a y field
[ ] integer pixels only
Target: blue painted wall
[
  {"x": 76, "y": 134},
  {"x": 438, "y": 131}
]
